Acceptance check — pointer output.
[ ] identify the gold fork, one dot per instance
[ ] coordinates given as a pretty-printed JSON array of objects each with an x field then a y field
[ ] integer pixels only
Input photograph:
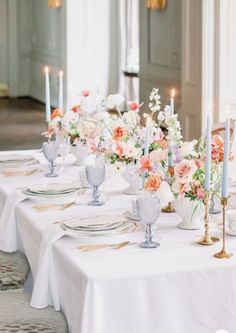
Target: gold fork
[{"x": 94, "y": 247}]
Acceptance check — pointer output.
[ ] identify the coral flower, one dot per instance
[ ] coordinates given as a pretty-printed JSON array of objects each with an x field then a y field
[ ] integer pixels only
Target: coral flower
[
  {"x": 76, "y": 108},
  {"x": 85, "y": 93},
  {"x": 119, "y": 150},
  {"x": 162, "y": 143},
  {"x": 57, "y": 113},
  {"x": 146, "y": 164},
  {"x": 119, "y": 133},
  {"x": 134, "y": 106},
  {"x": 153, "y": 183}
]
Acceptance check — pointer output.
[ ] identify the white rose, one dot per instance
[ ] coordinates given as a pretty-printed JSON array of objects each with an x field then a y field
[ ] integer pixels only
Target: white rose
[
  {"x": 187, "y": 148},
  {"x": 114, "y": 100}
]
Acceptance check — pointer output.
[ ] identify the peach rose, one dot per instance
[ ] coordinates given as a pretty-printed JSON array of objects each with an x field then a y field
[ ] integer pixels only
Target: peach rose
[
  {"x": 153, "y": 183},
  {"x": 119, "y": 133},
  {"x": 185, "y": 170}
]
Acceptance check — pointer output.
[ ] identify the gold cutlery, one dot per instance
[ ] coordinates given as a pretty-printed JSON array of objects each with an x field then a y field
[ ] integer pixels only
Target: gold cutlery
[
  {"x": 44, "y": 208},
  {"x": 20, "y": 173},
  {"x": 95, "y": 247}
]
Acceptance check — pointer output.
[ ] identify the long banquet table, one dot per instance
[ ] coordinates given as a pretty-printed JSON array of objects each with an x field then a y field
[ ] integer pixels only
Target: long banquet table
[{"x": 177, "y": 288}]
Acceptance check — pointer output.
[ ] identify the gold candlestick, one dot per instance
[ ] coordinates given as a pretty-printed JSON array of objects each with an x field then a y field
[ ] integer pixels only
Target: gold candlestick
[
  {"x": 169, "y": 208},
  {"x": 223, "y": 254},
  {"x": 207, "y": 239}
]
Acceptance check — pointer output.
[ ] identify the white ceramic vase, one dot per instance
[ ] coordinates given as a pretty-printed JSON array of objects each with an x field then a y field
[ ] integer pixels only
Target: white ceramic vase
[
  {"x": 80, "y": 151},
  {"x": 133, "y": 179},
  {"x": 192, "y": 213}
]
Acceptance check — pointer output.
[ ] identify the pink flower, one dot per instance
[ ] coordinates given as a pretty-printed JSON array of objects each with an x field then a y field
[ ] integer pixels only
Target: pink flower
[
  {"x": 198, "y": 163},
  {"x": 134, "y": 106},
  {"x": 185, "y": 170},
  {"x": 200, "y": 193},
  {"x": 146, "y": 164},
  {"x": 85, "y": 93}
]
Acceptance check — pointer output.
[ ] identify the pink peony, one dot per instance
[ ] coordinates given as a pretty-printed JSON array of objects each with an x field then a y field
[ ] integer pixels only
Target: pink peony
[{"x": 185, "y": 170}]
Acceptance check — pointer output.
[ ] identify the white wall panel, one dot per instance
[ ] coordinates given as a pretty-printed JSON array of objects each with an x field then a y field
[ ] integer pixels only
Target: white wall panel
[
  {"x": 160, "y": 49},
  {"x": 3, "y": 42}
]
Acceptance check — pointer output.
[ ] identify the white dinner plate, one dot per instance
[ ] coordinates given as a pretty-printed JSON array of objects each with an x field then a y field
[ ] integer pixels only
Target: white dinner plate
[{"x": 128, "y": 214}]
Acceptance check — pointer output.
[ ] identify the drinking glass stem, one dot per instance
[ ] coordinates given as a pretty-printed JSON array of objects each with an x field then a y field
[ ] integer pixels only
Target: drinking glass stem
[
  {"x": 148, "y": 233},
  {"x": 95, "y": 193},
  {"x": 52, "y": 167}
]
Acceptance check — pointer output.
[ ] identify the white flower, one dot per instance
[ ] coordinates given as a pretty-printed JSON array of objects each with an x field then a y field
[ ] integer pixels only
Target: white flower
[
  {"x": 86, "y": 128},
  {"x": 187, "y": 148},
  {"x": 165, "y": 194},
  {"x": 161, "y": 116},
  {"x": 114, "y": 100},
  {"x": 158, "y": 155}
]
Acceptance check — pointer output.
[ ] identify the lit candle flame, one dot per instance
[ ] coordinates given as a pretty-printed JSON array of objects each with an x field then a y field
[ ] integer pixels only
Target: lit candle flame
[
  {"x": 46, "y": 69},
  {"x": 61, "y": 74},
  {"x": 173, "y": 93}
]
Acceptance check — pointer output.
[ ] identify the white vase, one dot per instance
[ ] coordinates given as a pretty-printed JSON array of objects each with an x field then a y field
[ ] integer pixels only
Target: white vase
[
  {"x": 80, "y": 151},
  {"x": 192, "y": 213},
  {"x": 133, "y": 179}
]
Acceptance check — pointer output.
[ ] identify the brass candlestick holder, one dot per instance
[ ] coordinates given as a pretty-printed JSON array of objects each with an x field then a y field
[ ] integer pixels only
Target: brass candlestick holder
[
  {"x": 207, "y": 239},
  {"x": 169, "y": 208},
  {"x": 223, "y": 254}
]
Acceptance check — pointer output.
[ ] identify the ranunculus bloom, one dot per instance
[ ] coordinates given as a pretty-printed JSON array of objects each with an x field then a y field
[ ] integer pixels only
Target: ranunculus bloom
[
  {"x": 163, "y": 143},
  {"x": 85, "y": 93},
  {"x": 119, "y": 150},
  {"x": 185, "y": 170},
  {"x": 200, "y": 193},
  {"x": 153, "y": 183},
  {"x": 76, "y": 108},
  {"x": 134, "y": 106},
  {"x": 198, "y": 163},
  {"x": 217, "y": 151},
  {"x": 146, "y": 164},
  {"x": 57, "y": 113},
  {"x": 119, "y": 133}
]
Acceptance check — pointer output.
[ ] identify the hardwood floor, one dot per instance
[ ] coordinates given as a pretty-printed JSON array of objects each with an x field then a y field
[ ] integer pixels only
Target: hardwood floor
[{"x": 21, "y": 123}]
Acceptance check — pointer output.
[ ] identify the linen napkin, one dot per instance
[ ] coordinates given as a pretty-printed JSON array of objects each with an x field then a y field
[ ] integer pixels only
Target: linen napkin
[
  {"x": 8, "y": 227},
  {"x": 45, "y": 290}
]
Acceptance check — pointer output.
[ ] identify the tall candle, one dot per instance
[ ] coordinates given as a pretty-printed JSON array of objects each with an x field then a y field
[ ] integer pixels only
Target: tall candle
[
  {"x": 170, "y": 156},
  {"x": 208, "y": 155},
  {"x": 60, "y": 96},
  {"x": 146, "y": 149},
  {"x": 172, "y": 101},
  {"x": 47, "y": 94},
  {"x": 225, "y": 175}
]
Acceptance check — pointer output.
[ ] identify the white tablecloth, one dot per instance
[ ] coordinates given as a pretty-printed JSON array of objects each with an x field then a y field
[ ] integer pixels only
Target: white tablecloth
[{"x": 177, "y": 288}]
